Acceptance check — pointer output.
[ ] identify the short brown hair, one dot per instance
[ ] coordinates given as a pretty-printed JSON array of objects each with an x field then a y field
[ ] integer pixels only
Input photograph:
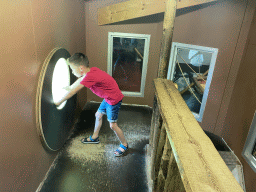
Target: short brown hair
[{"x": 79, "y": 59}]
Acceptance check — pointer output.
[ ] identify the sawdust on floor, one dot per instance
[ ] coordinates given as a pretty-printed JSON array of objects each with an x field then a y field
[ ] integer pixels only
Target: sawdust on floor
[{"x": 79, "y": 152}]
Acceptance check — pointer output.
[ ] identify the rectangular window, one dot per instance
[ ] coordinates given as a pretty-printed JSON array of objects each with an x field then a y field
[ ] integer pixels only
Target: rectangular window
[
  {"x": 127, "y": 61},
  {"x": 191, "y": 68},
  {"x": 249, "y": 151}
]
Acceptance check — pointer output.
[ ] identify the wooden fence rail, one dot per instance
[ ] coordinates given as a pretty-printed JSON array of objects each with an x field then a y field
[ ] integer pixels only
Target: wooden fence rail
[{"x": 183, "y": 158}]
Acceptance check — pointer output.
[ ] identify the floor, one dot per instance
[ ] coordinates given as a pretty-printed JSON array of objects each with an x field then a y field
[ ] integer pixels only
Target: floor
[{"x": 93, "y": 167}]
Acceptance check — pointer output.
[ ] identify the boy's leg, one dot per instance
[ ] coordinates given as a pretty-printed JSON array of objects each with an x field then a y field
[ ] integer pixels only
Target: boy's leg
[
  {"x": 98, "y": 120},
  {"x": 112, "y": 114},
  {"x": 119, "y": 133},
  {"x": 98, "y": 123}
]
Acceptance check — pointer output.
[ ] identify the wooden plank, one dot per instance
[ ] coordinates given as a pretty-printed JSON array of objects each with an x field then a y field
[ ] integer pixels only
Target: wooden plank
[
  {"x": 156, "y": 134},
  {"x": 168, "y": 26},
  {"x": 137, "y": 51},
  {"x": 184, "y": 90},
  {"x": 155, "y": 115},
  {"x": 166, "y": 157},
  {"x": 203, "y": 76},
  {"x": 160, "y": 149},
  {"x": 173, "y": 181},
  {"x": 129, "y": 10},
  {"x": 200, "y": 165},
  {"x": 160, "y": 181},
  {"x": 139, "y": 8},
  {"x": 188, "y": 3}
]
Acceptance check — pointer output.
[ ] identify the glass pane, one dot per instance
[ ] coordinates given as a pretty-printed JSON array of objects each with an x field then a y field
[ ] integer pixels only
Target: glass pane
[
  {"x": 190, "y": 74},
  {"x": 254, "y": 150},
  {"x": 127, "y": 63}
]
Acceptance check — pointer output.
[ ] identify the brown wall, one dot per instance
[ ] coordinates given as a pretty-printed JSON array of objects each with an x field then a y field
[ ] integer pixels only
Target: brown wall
[
  {"x": 215, "y": 25},
  {"x": 29, "y": 31},
  {"x": 242, "y": 106},
  {"x": 224, "y": 25},
  {"x": 97, "y": 46}
]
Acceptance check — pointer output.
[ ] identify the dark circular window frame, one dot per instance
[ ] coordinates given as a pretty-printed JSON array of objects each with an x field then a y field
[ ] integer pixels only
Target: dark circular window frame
[{"x": 53, "y": 125}]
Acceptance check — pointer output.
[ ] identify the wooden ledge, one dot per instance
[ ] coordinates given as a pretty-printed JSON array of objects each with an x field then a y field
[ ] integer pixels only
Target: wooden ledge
[
  {"x": 139, "y": 8},
  {"x": 200, "y": 165}
]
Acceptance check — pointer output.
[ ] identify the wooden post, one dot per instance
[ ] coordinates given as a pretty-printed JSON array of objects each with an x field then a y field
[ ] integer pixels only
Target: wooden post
[
  {"x": 168, "y": 26},
  {"x": 160, "y": 148},
  {"x": 163, "y": 167},
  {"x": 155, "y": 115},
  {"x": 166, "y": 157},
  {"x": 160, "y": 181},
  {"x": 173, "y": 181},
  {"x": 157, "y": 128}
]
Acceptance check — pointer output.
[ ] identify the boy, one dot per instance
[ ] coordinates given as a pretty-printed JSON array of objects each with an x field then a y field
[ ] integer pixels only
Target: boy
[{"x": 104, "y": 86}]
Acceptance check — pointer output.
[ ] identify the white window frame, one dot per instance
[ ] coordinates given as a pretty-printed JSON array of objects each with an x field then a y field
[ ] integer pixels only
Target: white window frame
[
  {"x": 171, "y": 70},
  {"x": 249, "y": 144},
  {"x": 111, "y": 35}
]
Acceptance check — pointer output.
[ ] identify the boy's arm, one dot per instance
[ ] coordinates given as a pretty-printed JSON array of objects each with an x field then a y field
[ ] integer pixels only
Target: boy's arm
[{"x": 71, "y": 90}]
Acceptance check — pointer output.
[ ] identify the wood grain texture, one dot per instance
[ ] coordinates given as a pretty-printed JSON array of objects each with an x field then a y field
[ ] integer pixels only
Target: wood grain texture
[
  {"x": 53, "y": 125},
  {"x": 39, "y": 97},
  {"x": 168, "y": 27},
  {"x": 160, "y": 148},
  {"x": 166, "y": 157},
  {"x": 139, "y": 8},
  {"x": 155, "y": 115},
  {"x": 173, "y": 181},
  {"x": 155, "y": 132},
  {"x": 200, "y": 165}
]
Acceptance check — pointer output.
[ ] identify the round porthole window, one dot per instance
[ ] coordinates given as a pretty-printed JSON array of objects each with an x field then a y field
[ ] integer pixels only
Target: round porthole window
[
  {"x": 53, "y": 122},
  {"x": 60, "y": 80}
]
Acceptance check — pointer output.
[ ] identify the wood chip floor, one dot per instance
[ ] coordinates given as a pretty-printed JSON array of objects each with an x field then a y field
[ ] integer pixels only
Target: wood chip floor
[{"x": 93, "y": 167}]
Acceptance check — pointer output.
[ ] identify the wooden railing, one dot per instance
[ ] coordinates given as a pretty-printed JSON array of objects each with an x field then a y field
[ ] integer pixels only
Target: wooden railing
[{"x": 183, "y": 158}]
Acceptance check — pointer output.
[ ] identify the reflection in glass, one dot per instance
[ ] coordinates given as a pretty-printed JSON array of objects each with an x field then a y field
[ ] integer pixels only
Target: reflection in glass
[
  {"x": 254, "y": 149},
  {"x": 190, "y": 73},
  {"x": 127, "y": 62}
]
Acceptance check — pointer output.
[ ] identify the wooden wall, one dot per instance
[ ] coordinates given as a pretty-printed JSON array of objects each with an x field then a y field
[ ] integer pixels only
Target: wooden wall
[
  {"x": 215, "y": 25},
  {"x": 242, "y": 107},
  {"x": 97, "y": 45},
  {"x": 29, "y": 31},
  {"x": 224, "y": 25}
]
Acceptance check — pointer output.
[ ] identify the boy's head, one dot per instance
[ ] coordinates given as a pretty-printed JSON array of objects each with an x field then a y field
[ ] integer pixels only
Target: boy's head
[
  {"x": 79, "y": 59},
  {"x": 79, "y": 64}
]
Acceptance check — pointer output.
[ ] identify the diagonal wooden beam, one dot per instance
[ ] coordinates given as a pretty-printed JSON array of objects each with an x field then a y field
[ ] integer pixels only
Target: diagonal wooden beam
[{"x": 139, "y": 8}]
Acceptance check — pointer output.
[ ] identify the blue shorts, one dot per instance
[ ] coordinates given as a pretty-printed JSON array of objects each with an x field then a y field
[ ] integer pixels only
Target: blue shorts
[{"x": 111, "y": 110}]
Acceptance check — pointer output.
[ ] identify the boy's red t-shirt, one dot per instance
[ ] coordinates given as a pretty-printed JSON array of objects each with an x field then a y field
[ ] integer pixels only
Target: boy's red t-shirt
[{"x": 103, "y": 85}]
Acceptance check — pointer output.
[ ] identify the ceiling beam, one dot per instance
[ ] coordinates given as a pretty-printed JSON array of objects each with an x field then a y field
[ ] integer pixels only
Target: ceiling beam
[{"x": 139, "y": 8}]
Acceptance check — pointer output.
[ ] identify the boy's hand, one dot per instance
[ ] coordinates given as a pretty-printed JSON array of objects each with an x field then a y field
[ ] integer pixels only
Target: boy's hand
[
  {"x": 70, "y": 91},
  {"x": 57, "y": 103},
  {"x": 66, "y": 88}
]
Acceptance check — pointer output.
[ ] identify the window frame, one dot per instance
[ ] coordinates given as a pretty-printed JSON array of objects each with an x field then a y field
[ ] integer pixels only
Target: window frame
[
  {"x": 249, "y": 144},
  {"x": 111, "y": 35},
  {"x": 171, "y": 69}
]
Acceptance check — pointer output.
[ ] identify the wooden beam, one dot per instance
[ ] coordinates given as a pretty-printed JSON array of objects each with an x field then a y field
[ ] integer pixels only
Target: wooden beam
[
  {"x": 137, "y": 51},
  {"x": 184, "y": 90},
  {"x": 200, "y": 165},
  {"x": 129, "y": 10},
  {"x": 139, "y": 8},
  {"x": 166, "y": 41}
]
